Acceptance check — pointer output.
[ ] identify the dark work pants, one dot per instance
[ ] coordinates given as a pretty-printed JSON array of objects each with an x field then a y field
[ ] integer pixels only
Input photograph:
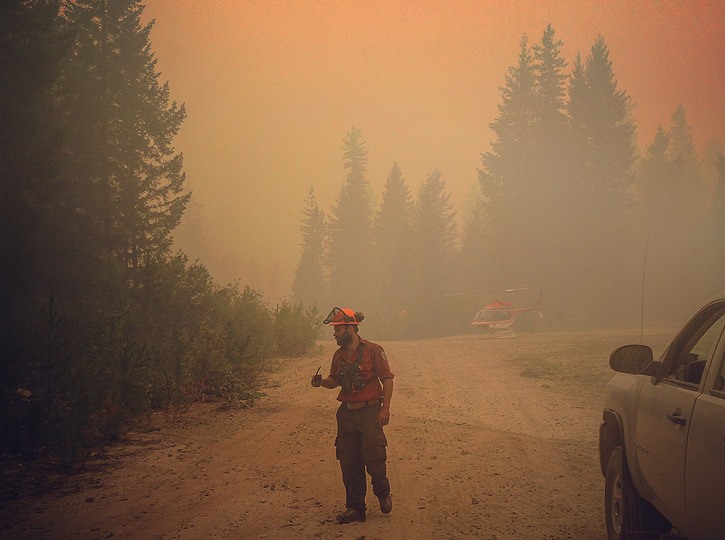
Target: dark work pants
[{"x": 360, "y": 445}]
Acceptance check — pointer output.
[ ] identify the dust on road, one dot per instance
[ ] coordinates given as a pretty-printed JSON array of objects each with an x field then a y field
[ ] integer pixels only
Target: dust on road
[{"x": 489, "y": 438}]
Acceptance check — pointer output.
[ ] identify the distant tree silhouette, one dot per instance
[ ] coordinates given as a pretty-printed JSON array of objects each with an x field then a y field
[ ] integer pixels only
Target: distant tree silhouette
[
  {"x": 601, "y": 122},
  {"x": 603, "y": 156},
  {"x": 553, "y": 194},
  {"x": 657, "y": 185},
  {"x": 349, "y": 251},
  {"x": 392, "y": 230},
  {"x": 310, "y": 286},
  {"x": 434, "y": 236},
  {"x": 506, "y": 174},
  {"x": 694, "y": 196}
]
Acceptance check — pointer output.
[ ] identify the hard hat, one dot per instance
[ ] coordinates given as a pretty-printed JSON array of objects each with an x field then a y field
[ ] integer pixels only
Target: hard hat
[{"x": 340, "y": 316}]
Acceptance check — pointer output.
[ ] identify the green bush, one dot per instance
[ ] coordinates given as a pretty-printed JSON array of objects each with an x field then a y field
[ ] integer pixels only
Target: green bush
[{"x": 296, "y": 328}]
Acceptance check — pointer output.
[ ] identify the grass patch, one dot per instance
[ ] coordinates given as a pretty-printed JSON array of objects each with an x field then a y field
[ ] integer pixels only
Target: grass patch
[{"x": 537, "y": 367}]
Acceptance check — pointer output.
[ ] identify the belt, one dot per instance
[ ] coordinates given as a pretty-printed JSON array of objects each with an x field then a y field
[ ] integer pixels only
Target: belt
[{"x": 354, "y": 405}]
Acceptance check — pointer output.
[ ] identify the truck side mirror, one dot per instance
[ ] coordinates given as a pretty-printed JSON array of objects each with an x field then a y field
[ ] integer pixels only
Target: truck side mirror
[{"x": 632, "y": 359}]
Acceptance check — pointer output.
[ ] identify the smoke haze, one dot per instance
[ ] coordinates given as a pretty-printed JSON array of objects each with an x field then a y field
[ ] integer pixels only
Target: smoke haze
[{"x": 271, "y": 88}]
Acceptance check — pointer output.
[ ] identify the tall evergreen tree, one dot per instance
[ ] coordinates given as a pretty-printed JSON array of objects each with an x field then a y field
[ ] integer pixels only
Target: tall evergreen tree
[
  {"x": 434, "y": 235},
  {"x": 506, "y": 173},
  {"x": 34, "y": 209},
  {"x": 553, "y": 195},
  {"x": 600, "y": 116},
  {"x": 32, "y": 45},
  {"x": 475, "y": 257},
  {"x": 657, "y": 185},
  {"x": 309, "y": 286},
  {"x": 121, "y": 128},
  {"x": 694, "y": 196},
  {"x": 603, "y": 144},
  {"x": 350, "y": 229},
  {"x": 550, "y": 81},
  {"x": 392, "y": 249}
]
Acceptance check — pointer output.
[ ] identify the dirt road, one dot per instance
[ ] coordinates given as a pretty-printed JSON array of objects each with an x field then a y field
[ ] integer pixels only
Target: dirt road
[{"x": 489, "y": 438}]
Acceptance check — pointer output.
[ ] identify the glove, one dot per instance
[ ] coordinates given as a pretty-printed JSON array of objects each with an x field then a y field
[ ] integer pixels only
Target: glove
[{"x": 316, "y": 380}]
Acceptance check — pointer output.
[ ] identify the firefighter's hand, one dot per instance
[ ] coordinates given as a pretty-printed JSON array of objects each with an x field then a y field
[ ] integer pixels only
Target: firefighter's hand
[
  {"x": 384, "y": 417},
  {"x": 316, "y": 381}
]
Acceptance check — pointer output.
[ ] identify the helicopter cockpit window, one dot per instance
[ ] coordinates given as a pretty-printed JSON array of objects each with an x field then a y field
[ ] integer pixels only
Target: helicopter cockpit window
[
  {"x": 689, "y": 361},
  {"x": 502, "y": 314}
]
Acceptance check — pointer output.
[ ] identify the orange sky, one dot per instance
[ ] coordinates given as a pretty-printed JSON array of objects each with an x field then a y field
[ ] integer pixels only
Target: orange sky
[{"x": 271, "y": 88}]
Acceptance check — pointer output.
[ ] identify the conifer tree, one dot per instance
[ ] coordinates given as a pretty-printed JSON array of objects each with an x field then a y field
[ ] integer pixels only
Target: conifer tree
[
  {"x": 309, "y": 286},
  {"x": 121, "y": 125},
  {"x": 434, "y": 234},
  {"x": 601, "y": 121},
  {"x": 350, "y": 230},
  {"x": 506, "y": 173},
  {"x": 603, "y": 146},
  {"x": 553, "y": 195},
  {"x": 475, "y": 254},
  {"x": 392, "y": 242},
  {"x": 32, "y": 45},
  {"x": 682, "y": 150},
  {"x": 657, "y": 184},
  {"x": 34, "y": 210}
]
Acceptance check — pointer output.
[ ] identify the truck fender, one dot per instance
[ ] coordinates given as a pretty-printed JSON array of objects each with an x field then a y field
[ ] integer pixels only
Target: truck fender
[{"x": 611, "y": 435}]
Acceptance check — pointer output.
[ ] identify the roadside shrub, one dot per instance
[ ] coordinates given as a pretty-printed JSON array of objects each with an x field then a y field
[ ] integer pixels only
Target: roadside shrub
[{"x": 296, "y": 328}]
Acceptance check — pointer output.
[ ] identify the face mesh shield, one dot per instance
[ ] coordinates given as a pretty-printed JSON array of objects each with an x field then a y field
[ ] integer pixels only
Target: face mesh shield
[{"x": 337, "y": 315}]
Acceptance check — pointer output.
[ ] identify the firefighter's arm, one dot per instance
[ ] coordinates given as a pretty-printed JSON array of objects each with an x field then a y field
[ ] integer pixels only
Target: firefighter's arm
[
  {"x": 329, "y": 382},
  {"x": 384, "y": 415}
]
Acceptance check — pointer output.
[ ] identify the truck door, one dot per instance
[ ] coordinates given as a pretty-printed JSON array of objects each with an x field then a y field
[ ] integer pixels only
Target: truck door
[
  {"x": 705, "y": 467},
  {"x": 666, "y": 408}
]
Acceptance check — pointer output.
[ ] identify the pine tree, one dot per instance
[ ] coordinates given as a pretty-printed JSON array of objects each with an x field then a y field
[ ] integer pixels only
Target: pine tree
[
  {"x": 350, "y": 230},
  {"x": 506, "y": 175},
  {"x": 34, "y": 211},
  {"x": 392, "y": 249},
  {"x": 434, "y": 235},
  {"x": 603, "y": 153},
  {"x": 658, "y": 188},
  {"x": 121, "y": 128},
  {"x": 550, "y": 82},
  {"x": 694, "y": 198},
  {"x": 475, "y": 254},
  {"x": 600, "y": 116},
  {"x": 32, "y": 201},
  {"x": 553, "y": 195},
  {"x": 309, "y": 285}
]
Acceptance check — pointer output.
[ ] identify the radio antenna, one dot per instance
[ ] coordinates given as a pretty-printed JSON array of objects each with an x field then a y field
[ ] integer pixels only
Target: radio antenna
[{"x": 644, "y": 270}]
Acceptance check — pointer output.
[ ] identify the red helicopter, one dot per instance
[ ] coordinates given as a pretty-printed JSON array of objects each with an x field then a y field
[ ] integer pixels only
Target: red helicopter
[{"x": 500, "y": 315}]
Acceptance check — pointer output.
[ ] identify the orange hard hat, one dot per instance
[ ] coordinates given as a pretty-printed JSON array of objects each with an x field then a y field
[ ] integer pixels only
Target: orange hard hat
[{"x": 340, "y": 316}]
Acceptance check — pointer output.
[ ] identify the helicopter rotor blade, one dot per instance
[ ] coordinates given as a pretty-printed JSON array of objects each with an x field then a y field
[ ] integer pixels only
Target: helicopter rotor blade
[{"x": 493, "y": 292}]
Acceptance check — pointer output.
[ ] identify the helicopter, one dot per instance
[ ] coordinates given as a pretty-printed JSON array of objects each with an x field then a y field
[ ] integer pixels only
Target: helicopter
[{"x": 500, "y": 315}]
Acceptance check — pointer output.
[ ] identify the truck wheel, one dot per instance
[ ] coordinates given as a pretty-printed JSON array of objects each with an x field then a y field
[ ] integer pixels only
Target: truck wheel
[{"x": 627, "y": 514}]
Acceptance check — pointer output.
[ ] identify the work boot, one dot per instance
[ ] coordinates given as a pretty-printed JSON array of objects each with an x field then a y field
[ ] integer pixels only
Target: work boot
[
  {"x": 386, "y": 503},
  {"x": 350, "y": 515}
]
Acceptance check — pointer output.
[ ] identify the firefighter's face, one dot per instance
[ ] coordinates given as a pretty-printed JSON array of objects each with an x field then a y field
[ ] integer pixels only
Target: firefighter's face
[{"x": 342, "y": 334}]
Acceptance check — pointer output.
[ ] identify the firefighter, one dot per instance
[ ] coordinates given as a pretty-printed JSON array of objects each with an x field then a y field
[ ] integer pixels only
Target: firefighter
[{"x": 360, "y": 368}]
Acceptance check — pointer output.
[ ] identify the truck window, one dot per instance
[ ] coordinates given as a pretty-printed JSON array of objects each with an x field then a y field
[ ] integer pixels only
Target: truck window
[{"x": 689, "y": 361}]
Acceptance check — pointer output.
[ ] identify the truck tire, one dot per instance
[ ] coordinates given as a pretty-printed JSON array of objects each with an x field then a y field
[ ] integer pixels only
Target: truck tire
[{"x": 628, "y": 515}]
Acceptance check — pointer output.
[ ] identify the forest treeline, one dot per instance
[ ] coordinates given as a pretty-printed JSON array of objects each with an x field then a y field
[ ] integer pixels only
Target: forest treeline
[
  {"x": 100, "y": 321},
  {"x": 566, "y": 208}
]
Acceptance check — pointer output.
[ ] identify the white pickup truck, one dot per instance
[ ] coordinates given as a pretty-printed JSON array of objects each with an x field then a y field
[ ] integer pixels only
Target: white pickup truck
[{"x": 662, "y": 437}]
